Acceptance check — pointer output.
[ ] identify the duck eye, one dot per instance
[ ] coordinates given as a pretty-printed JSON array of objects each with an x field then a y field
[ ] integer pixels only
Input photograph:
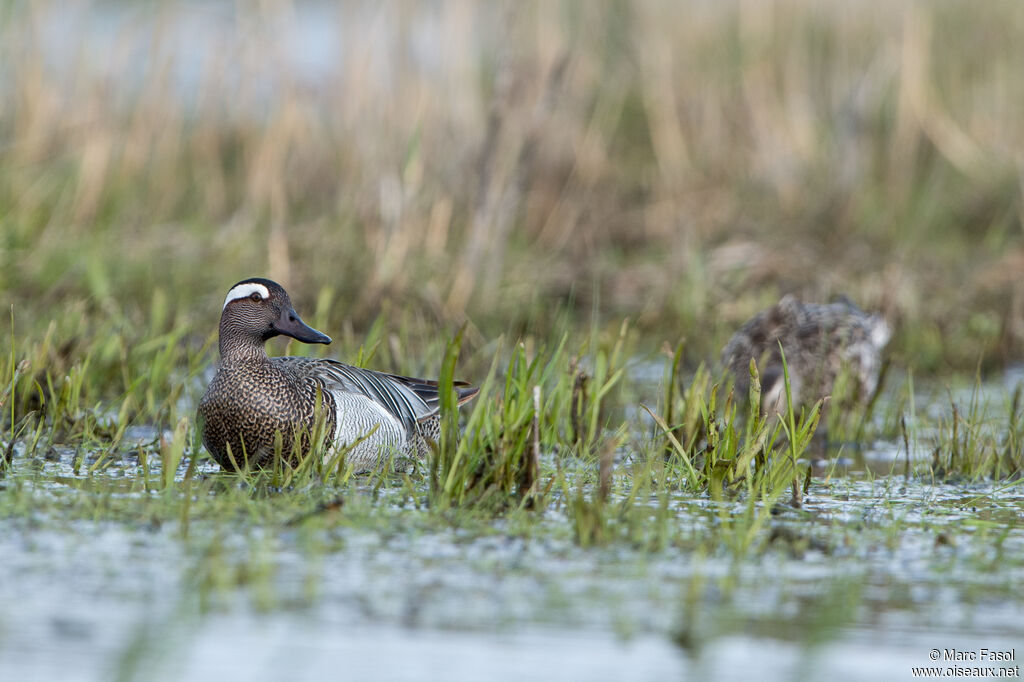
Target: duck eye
[{"x": 256, "y": 296}]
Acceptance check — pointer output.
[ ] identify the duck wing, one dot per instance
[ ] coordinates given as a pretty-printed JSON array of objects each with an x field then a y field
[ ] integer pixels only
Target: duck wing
[
  {"x": 409, "y": 399},
  {"x": 429, "y": 391}
]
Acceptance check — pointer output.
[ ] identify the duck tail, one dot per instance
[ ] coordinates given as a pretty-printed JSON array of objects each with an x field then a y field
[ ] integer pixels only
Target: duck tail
[{"x": 464, "y": 392}]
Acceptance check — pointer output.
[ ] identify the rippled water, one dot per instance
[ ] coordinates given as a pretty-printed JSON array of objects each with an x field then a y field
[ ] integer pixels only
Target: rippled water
[{"x": 890, "y": 569}]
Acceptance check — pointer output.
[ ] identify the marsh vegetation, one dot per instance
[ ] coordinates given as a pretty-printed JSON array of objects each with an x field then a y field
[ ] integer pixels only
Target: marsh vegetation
[{"x": 574, "y": 205}]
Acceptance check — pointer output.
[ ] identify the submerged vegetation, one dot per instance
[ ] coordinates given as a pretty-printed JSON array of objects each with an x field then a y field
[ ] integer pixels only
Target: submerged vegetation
[{"x": 573, "y": 205}]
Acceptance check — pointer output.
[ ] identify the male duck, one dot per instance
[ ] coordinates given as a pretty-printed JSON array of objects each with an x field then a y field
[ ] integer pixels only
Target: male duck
[
  {"x": 819, "y": 341},
  {"x": 254, "y": 397}
]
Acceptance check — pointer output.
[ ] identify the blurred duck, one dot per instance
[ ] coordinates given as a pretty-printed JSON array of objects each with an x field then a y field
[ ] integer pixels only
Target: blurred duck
[{"x": 820, "y": 341}]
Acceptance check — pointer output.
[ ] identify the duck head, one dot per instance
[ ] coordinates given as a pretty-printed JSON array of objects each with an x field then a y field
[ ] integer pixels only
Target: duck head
[{"x": 258, "y": 309}]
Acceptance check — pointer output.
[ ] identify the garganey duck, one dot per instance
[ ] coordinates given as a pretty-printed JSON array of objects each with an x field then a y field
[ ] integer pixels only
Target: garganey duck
[
  {"x": 820, "y": 341},
  {"x": 254, "y": 397}
]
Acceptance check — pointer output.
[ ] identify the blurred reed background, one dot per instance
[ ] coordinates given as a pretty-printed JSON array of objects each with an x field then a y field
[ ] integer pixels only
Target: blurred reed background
[{"x": 517, "y": 165}]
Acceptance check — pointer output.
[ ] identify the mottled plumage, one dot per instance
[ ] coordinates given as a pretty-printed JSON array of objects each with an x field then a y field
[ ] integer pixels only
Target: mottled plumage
[
  {"x": 254, "y": 397},
  {"x": 819, "y": 340}
]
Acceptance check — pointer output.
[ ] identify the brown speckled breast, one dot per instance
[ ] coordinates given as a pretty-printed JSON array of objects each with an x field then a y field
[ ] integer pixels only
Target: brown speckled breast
[{"x": 246, "y": 405}]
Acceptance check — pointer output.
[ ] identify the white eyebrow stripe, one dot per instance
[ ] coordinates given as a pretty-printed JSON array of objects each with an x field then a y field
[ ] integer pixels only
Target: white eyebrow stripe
[{"x": 246, "y": 290}]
